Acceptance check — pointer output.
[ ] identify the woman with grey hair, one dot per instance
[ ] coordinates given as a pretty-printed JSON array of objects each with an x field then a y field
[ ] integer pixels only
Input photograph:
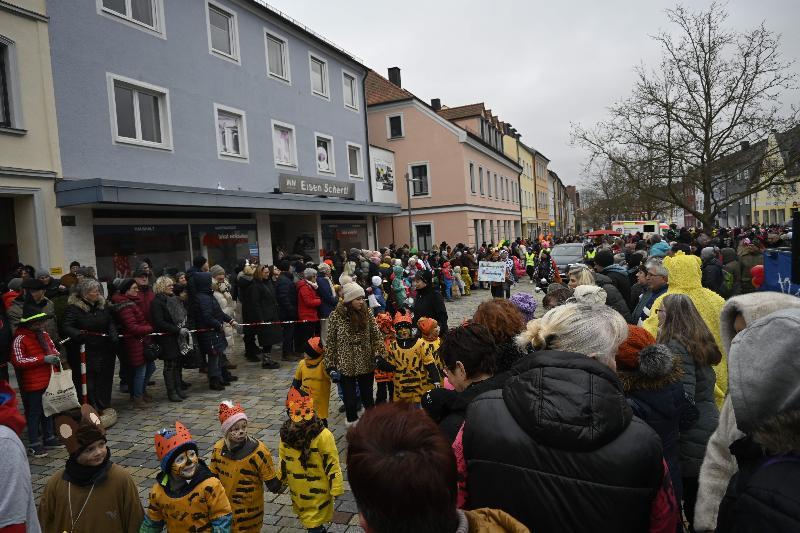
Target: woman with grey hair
[
  {"x": 88, "y": 322},
  {"x": 560, "y": 433},
  {"x": 308, "y": 302}
]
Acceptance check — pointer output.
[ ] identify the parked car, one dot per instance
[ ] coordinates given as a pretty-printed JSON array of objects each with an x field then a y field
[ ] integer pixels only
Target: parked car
[{"x": 566, "y": 255}]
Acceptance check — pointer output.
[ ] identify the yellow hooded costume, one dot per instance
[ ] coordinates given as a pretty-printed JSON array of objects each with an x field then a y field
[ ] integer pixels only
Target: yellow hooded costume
[{"x": 684, "y": 278}]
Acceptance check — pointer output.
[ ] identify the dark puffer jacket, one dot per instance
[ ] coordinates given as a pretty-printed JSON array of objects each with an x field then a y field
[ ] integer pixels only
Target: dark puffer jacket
[
  {"x": 614, "y": 298},
  {"x": 559, "y": 449},
  {"x": 286, "y": 295},
  {"x": 259, "y": 305},
  {"x": 698, "y": 384},
  {"x": 82, "y": 316},
  {"x": 430, "y": 303},
  {"x": 208, "y": 314},
  {"x": 163, "y": 322}
]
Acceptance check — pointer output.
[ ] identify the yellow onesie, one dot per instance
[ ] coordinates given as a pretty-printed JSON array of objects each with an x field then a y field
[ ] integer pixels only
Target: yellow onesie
[
  {"x": 192, "y": 511},
  {"x": 431, "y": 349},
  {"x": 312, "y": 488},
  {"x": 315, "y": 381},
  {"x": 243, "y": 480},
  {"x": 411, "y": 378}
]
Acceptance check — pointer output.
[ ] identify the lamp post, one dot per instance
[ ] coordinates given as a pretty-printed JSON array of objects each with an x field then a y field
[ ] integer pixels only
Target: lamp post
[{"x": 409, "y": 181}]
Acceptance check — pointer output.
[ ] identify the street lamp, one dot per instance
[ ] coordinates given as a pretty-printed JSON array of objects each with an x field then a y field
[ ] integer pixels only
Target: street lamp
[{"x": 409, "y": 181}]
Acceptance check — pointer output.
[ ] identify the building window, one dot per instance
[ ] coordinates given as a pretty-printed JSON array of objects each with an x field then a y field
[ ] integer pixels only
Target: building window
[
  {"x": 496, "y": 193},
  {"x": 139, "y": 12},
  {"x": 5, "y": 83},
  {"x": 140, "y": 113},
  {"x": 278, "y": 57},
  {"x": 419, "y": 174},
  {"x": 354, "y": 166},
  {"x": 222, "y": 34},
  {"x": 394, "y": 125},
  {"x": 325, "y": 162},
  {"x": 350, "y": 89},
  {"x": 488, "y": 183},
  {"x": 284, "y": 145},
  {"x": 319, "y": 76},
  {"x": 231, "y": 132},
  {"x": 472, "y": 178},
  {"x": 424, "y": 236},
  {"x": 480, "y": 180}
]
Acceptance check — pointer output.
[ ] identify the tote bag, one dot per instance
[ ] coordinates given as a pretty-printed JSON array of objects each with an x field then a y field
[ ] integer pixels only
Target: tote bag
[{"x": 60, "y": 394}]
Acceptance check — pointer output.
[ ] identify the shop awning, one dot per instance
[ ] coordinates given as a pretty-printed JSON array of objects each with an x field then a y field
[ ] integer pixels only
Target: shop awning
[{"x": 97, "y": 192}]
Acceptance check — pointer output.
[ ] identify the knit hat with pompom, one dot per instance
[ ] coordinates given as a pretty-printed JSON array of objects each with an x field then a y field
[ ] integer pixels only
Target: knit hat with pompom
[{"x": 628, "y": 351}]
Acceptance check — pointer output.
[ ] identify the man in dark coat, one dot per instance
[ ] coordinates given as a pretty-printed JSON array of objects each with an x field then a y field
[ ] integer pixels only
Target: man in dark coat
[
  {"x": 209, "y": 315},
  {"x": 429, "y": 302},
  {"x": 286, "y": 295},
  {"x": 712, "y": 270},
  {"x": 604, "y": 264}
]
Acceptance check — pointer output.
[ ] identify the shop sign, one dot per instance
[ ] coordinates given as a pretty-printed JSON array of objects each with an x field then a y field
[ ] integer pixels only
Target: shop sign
[
  {"x": 56, "y": 271},
  {"x": 316, "y": 187}
]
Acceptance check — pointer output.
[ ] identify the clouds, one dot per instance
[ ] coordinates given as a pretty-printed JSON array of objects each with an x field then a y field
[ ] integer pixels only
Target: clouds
[{"x": 538, "y": 65}]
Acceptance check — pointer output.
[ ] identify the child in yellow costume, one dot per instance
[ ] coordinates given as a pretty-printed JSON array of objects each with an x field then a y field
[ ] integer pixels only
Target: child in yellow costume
[
  {"x": 309, "y": 463},
  {"x": 186, "y": 496},
  {"x": 244, "y": 466},
  {"x": 429, "y": 341},
  {"x": 414, "y": 370},
  {"x": 383, "y": 378},
  {"x": 312, "y": 378},
  {"x": 467, "y": 281}
]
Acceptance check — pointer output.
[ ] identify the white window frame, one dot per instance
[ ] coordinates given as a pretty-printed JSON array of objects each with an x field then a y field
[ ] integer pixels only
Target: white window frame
[
  {"x": 473, "y": 183},
  {"x": 360, "y": 175},
  {"x": 279, "y": 165},
  {"x": 331, "y": 154},
  {"x": 234, "y": 56},
  {"x": 165, "y": 117},
  {"x": 389, "y": 126},
  {"x": 16, "y": 123},
  {"x": 481, "y": 188},
  {"x": 356, "y": 102},
  {"x": 326, "y": 76},
  {"x": 159, "y": 28},
  {"x": 424, "y": 223},
  {"x": 242, "y": 157},
  {"x": 427, "y": 173},
  {"x": 286, "y": 63}
]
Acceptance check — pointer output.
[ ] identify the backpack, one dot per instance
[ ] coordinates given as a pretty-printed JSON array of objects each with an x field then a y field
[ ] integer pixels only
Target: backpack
[{"x": 727, "y": 282}]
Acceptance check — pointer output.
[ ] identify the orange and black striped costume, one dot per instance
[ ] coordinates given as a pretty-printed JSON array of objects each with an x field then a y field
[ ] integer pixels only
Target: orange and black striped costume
[{"x": 244, "y": 480}]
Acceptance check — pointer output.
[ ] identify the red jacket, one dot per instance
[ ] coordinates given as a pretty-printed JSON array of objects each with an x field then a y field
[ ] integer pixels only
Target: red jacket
[
  {"x": 134, "y": 326},
  {"x": 308, "y": 301},
  {"x": 27, "y": 356},
  {"x": 8, "y": 298}
]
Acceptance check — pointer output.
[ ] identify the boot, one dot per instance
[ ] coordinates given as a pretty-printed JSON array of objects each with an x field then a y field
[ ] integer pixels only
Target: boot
[
  {"x": 177, "y": 380},
  {"x": 227, "y": 376},
  {"x": 139, "y": 403},
  {"x": 252, "y": 357},
  {"x": 268, "y": 363},
  {"x": 215, "y": 384},
  {"x": 169, "y": 382}
]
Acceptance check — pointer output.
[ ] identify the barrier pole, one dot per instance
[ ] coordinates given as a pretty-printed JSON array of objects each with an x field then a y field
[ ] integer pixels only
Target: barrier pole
[{"x": 84, "y": 388}]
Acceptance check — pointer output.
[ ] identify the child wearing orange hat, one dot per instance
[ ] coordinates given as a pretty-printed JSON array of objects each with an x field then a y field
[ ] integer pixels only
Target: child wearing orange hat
[
  {"x": 312, "y": 378},
  {"x": 186, "y": 496},
  {"x": 429, "y": 341},
  {"x": 242, "y": 463},
  {"x": 309, "y": 462}
]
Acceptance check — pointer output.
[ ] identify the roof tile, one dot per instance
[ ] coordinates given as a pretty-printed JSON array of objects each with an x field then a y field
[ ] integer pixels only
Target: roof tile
[{"x": 380, "y": 90}]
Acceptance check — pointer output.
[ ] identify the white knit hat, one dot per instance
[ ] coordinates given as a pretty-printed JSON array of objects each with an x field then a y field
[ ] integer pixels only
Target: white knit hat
[
  {"x": 351, "y": 291},
  {"x": 377, "y": 281}
]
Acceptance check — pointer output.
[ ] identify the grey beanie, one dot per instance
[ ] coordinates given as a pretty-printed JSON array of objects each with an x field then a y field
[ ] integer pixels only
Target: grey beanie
[
  {"x": 763, "y": 367},
  {"x": 15, "y": 284},
  {"x": 216, "y": 270},
  {"x": 707, "y": 253},
  {"x": 42, "y": 272}
]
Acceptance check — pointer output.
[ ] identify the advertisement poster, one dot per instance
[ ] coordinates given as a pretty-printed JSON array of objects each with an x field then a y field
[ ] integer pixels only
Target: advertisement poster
[{"x": 384, "y": 175}]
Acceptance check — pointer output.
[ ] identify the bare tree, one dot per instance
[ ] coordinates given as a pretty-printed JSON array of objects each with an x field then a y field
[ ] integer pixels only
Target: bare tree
[{"x": 713, "y": 90}]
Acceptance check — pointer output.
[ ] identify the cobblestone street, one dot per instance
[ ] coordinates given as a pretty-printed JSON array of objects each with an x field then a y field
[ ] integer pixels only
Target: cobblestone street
[{"x": 261, "y": 393}]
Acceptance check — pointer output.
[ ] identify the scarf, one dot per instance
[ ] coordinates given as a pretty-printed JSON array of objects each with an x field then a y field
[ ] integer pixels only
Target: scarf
[
  {"x": 314, "y": 285},
  {"x": 298, "y": 436},
  {"x": 83, "y": 475}
]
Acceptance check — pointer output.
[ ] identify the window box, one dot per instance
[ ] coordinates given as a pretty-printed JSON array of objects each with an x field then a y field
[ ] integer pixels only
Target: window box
[
  {"x": 325, "y": 158},
  {"x": 319, "y": 76},
  {"x": 355, "y": 165},
  {"x": 231, "y": 133},
  {"x": 223, "y": 34},
  {"x": 284, "y": 145},
  {"x": 139, "y": 113},
  {"x": 146, "y": 15},
  {"x": 277, "y": 57}
]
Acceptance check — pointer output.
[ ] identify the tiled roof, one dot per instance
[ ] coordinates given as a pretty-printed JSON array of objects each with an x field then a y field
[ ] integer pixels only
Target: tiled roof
[
  {"x": 380, "y": 90},
  {"x": 464, "y": 111}
]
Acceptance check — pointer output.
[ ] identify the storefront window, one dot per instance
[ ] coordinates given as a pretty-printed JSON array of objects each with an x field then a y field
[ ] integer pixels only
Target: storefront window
[
  {"x": 120, "y": 249},
  {"x": 225, "y": 244},
  {"x": 337, "y": 237}
]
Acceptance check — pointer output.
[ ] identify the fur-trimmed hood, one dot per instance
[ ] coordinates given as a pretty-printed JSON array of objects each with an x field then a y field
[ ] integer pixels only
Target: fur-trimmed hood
[
  {"x": 751, "y": 306},
  {"x": 658, "y": 368},
  {"x": 77, "y": 301},
  {"x": 780, "y": 434}
]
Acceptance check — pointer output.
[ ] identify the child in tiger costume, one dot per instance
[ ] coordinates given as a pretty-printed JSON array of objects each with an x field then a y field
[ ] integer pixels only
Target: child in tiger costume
[
  {"x": 312, "y": 378},
  {"x": 309, "y": 463},
  {"x": 413, "y": 369},
  {"x": 383, "y": 378},
  {"x": 429, "y": 341},
  {"x": 244, "y": 466},
  {"x": 186, "y": 497}
]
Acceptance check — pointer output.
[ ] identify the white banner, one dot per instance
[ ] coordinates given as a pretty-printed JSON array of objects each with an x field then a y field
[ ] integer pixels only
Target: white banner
[{"x": 491, "y": 271}]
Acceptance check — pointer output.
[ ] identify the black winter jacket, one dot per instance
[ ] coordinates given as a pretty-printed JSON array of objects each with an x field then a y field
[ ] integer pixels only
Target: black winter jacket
[
  {"x": 286, "y": 295},
  {"x": 162, "y": 321},
  {"x": 430, "y": 303},
  {"x": 259, "y": 305},
  {"x": 559, "y": 449},
  {"x": 328, "y": 297},
  {"x": 456, "y": 410},
  {"x": 712, "y": 275},
  {"x": 96, "y": 317},
  {"x": 207, "y": 312},
  {"x": 614, "y": 298},
  {"x": 619, "y": 277},
  {"x": 762, "y": 496}
]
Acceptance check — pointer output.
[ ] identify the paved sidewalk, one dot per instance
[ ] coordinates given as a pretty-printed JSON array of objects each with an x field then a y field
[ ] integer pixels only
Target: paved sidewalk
[{"x": 262, "y": 393}]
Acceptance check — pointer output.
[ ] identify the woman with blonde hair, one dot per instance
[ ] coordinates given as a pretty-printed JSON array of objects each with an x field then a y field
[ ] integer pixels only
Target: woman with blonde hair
[
  {"x": 683, "y": 330},
  {"x": 581, "y": 275},
  {"x": 169, "y": 316},
  {"x": 561, "y": 433}
]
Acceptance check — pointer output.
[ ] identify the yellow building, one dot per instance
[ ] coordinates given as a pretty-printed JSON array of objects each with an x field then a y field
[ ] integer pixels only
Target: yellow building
[
  {"x": 544, "y": 198},
  {"x": 776, "y": 205},
  {"x": 524, "y": 155},
  {"x": 30, "y": 223}
]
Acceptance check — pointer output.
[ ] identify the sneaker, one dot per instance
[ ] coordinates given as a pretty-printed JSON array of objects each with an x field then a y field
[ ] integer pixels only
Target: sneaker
[
  {"x": 37, "y": 451},
  {"x": 53, "y": 444}
]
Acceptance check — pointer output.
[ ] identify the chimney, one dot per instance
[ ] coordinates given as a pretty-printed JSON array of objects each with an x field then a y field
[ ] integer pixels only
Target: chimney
[
  {"x": 436, "y": 103},
  {"x": 394, "y": 76},
  {"x": 745, "y": 145}
]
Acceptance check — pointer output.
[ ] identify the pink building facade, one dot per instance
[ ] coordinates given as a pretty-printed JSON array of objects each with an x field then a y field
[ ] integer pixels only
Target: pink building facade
[{"x": 463, "y": 188}]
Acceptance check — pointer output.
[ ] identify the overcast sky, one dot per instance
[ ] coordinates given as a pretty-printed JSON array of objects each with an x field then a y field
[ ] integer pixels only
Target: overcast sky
[{"x": 539, "y": 65}]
